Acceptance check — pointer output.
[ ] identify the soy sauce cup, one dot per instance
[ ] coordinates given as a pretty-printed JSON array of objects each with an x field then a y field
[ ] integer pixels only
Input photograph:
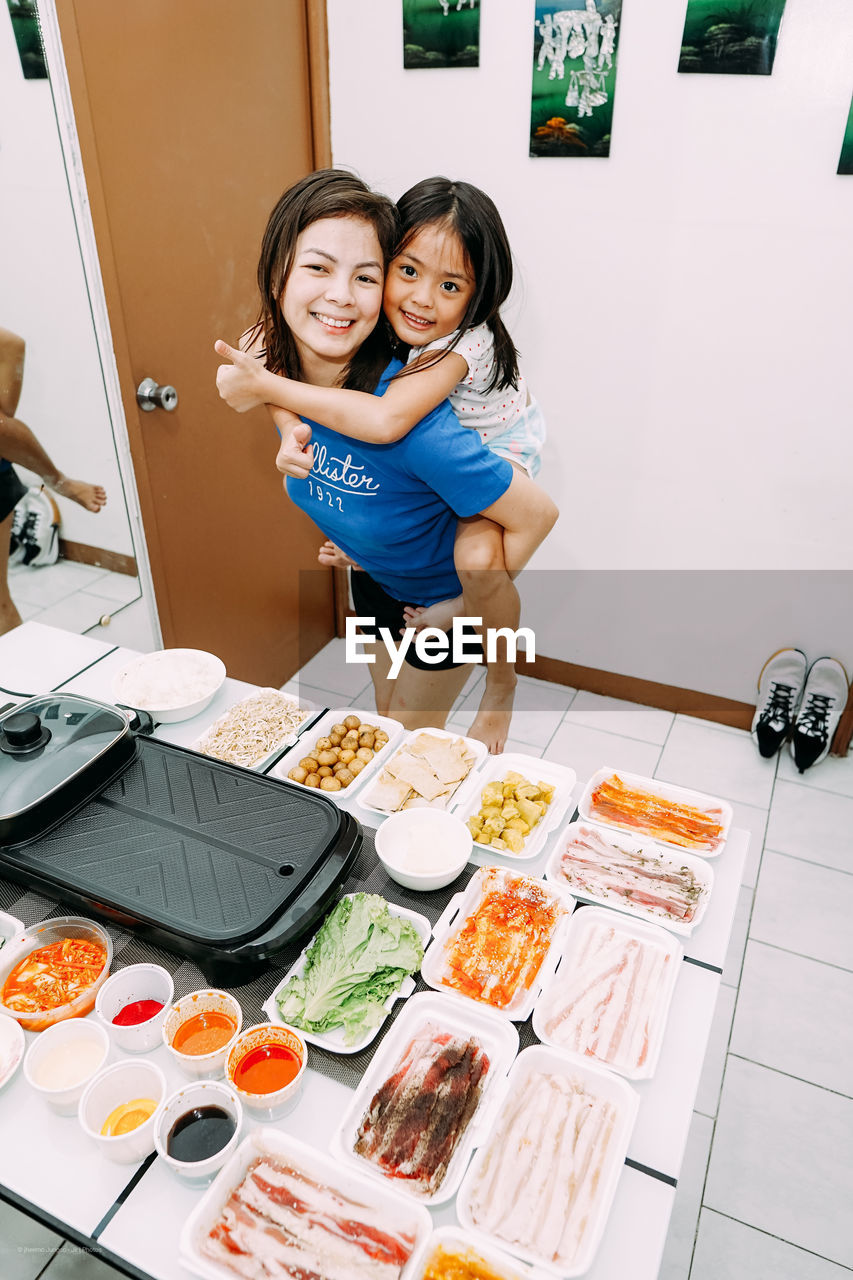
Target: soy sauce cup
[{"x": 188, "y": 1126}]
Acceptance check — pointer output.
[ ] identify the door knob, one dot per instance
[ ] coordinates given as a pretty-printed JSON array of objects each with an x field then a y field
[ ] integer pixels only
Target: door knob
[{"x": 151, "y": 396}]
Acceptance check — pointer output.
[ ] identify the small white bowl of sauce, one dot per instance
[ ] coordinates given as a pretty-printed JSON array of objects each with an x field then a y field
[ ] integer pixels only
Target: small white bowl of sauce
[
  {"x": 199, "y": 1031},
  {"x": 120, "y": 1108},
  {"x": 198, "y": 1129},
  {"x": 64, "y": 1059},
  {"x": 133, "y": 1004}
]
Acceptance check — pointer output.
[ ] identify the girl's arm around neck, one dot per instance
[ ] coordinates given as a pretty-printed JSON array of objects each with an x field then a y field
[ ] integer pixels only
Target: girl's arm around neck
[{"x": 357, "y": 414}]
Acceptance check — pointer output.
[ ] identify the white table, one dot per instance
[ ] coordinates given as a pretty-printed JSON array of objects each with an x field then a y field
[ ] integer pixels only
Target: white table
[{"x": 133, "y": 1215}]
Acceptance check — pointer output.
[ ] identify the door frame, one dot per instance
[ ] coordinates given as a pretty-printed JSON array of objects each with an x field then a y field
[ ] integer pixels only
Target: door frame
[{"x": 87, "y": 200}]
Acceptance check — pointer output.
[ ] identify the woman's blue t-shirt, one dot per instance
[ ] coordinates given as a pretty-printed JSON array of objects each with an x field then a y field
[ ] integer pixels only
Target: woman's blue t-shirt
[{"x": 393, "y": 508}]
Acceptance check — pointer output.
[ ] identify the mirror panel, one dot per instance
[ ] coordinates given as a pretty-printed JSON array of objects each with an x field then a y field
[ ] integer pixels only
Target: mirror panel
[{"x": 63, "y": 398}]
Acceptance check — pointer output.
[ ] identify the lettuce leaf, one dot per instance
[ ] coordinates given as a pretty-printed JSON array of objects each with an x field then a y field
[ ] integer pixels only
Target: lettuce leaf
[{"x": 359, "y": 957}]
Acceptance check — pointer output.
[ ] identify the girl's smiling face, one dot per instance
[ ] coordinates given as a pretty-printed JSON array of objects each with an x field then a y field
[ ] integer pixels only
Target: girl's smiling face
[
  {"x": 333, "y": 294},
  {"x": 429, "y": 286}
]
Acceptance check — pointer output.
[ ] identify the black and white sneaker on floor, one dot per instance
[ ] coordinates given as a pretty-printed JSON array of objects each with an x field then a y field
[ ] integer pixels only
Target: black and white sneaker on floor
[
  {"x": 822, "y": 705},
  {"x": 779, "y": 687}
]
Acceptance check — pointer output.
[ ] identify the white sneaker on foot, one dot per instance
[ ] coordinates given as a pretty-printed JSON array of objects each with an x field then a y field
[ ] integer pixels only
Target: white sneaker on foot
[
  {"x": 824, "y": 699},
  {"x": 779, "y": 687}
]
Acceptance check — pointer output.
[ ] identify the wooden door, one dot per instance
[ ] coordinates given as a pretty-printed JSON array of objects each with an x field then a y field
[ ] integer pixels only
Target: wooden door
[{"x": 193, "y": 117}]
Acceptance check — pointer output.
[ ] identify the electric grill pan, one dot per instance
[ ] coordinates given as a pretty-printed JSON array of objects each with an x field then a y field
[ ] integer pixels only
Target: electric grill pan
[{"x": 205, "y": 858}]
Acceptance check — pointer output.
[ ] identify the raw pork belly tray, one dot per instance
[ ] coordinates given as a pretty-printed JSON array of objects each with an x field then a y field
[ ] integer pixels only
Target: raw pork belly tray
[{"x": 201, "y": 857}]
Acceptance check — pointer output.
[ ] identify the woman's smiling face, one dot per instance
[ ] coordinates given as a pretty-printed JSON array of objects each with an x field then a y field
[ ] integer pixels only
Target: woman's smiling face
[{"x": 333, "y": 294}]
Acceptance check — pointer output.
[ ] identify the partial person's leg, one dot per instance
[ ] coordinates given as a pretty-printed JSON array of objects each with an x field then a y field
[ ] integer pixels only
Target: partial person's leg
[
  {"x": 9, "y": 616},
  {"x": 20, "y": 445},
  {"x": 12, "y": 350},
  {"x": 421, "y": 698}
]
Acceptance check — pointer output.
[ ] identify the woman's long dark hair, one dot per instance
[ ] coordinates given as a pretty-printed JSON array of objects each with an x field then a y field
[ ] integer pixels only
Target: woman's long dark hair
[
  {"x": 469, "y": 212},
  {"x": 326, "y": 193}
]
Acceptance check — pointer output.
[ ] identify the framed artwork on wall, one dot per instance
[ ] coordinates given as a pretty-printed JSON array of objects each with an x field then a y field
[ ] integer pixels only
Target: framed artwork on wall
[
  {"x": 845, "y": 163},
  {"x": 574, "y": 77},
  {"x": 441, "y": 33},
  {"x": 25, "y": 27},
  {"x": 730, "y": 37}
]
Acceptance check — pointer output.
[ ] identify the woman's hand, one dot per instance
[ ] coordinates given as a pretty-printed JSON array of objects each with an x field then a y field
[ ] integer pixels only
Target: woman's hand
[
  {"x": 296, "y": 455},
  {"x": 240, "y": 383}
]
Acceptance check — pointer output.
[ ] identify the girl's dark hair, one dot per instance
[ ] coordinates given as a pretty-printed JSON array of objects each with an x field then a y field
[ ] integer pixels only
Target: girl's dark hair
[
  {"x": 326, "y": 193},
  {"x": 474, "y": 217}
]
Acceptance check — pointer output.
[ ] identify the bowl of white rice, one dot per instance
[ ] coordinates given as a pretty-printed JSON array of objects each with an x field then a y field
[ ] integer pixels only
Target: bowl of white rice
[{"x": 171, "y": 684}]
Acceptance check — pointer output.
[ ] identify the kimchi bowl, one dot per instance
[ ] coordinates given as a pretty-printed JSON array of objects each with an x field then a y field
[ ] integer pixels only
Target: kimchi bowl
[{"x": 53, "y": 971}]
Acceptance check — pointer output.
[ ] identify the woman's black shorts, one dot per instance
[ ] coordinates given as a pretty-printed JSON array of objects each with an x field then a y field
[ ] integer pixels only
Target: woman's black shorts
[
  {"x": 372, "y": 601},
  {"x": 11, "y": 490}
]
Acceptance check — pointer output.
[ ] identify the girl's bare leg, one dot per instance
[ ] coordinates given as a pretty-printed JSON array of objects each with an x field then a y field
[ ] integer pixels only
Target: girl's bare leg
[
  {"x": 489, "y": 593},
  {"x": 9, "y": 616}
]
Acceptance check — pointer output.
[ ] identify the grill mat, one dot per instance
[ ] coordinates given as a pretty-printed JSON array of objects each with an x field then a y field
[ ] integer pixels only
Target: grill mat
[{"x": 189, "y": 846}]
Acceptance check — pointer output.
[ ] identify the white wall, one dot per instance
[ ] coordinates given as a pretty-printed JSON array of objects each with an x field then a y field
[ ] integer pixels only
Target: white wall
[
  {"x": 683, "y": 317},
  {"x": 43, "y": 298}
]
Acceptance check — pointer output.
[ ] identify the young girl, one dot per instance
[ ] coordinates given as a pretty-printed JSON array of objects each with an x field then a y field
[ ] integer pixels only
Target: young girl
[{"x": 442, "y": 298}]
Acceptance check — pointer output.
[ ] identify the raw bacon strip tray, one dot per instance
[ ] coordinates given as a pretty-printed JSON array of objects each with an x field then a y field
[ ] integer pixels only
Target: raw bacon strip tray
[
  {"x": 631, "y": 875},
  {"x": 607, "y": 999},
  {"x": 542, "y": 1184},
  {"x": 273, "y": 1182}
]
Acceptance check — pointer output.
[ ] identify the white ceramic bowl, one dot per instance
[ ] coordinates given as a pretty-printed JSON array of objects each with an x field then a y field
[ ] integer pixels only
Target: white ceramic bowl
[
  {"x": 136, "y": 982},
  {"x": 120, "y": 1083},
  {"x": 55, "y": 1043},
  {"x": 272, "y": 1105},
  {"x": 203, "y": 1093},
  {"x": 423, "y": 848},
  {"x": 171, "y": 684},
  {"x": 201, "y": 1066}
]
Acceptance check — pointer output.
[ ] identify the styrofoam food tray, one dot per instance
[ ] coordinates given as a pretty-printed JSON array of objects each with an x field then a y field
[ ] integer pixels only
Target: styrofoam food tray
[
  {"x": 667, "y": 791},
  {"x": 604, "y": 1084},
  {"x": 287, "y": 741},
  {"x": 569, "y": 960},
  {"x": 320, "y": 729},
  {"x": 497, "y": 1037},
  {"x": 534, "y": 770},
  {"x": 12, "y": 1045},
  {"x": 400, "y": 1212},
  {"x": 334, "y": 1040},
  {"x": 464, "y": 904},
  {"x": 455, "y": 1240},
  {"x": 465, "y": 786},
  {"x": 10, "y": 927},
  {"x": 667, "y": 858}
]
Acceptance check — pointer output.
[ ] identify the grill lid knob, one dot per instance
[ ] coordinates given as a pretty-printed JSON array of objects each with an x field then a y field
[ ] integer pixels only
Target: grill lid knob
[{"x": 22, "y": 732}]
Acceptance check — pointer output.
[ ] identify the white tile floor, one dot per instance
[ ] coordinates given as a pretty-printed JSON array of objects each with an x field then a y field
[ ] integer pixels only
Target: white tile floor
[
  {"x": 69, "y": 595},
  {"x": 766, "y": 1187}
]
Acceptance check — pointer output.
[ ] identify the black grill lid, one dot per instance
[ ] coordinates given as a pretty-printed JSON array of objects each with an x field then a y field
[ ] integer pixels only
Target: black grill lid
[
  {"x": 189, "y": 845},
  {"x": 50, "y": 742}
]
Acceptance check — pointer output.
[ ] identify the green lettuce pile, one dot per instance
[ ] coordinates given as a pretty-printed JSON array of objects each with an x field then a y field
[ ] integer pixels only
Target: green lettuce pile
[{"x": 358, "y": 958}]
